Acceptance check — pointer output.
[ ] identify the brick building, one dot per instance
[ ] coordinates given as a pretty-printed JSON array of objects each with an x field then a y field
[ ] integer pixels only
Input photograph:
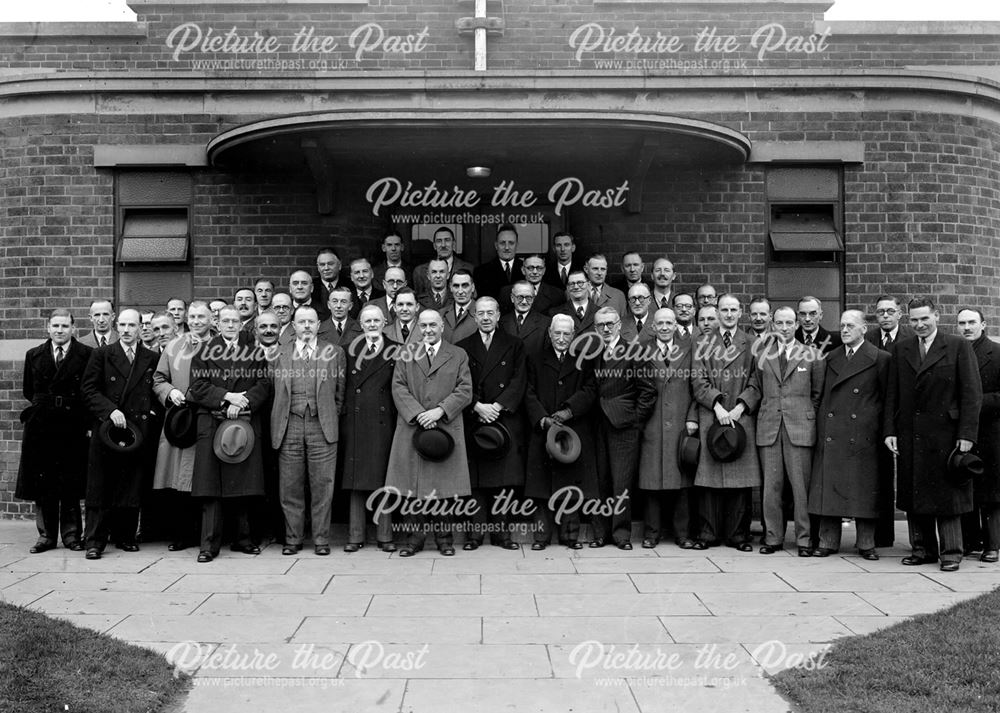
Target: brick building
[{"x": 211, "y": 143}]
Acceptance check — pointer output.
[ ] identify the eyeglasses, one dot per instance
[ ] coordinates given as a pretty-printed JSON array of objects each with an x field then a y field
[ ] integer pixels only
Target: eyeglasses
[
  {"x": 576, "y": 283},
  {"x": 889, "y": 312},
  {"x": 606, "y": 325},
  {"x": 281, "y": 308},
  {"x": 638, "y": 298},
  {"x": 524, "y": 298},
  {"x": 395, "y": 282}
]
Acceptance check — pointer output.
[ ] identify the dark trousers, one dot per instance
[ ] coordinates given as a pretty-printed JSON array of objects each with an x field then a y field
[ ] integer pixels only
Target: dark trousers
[
  {"x": 120, "y": 524},
  {"x": 267, "y": 519},
  {"x": 214, "y": 512},
  {"x": 419, "y": 524},
  {"x": 725, "y": 515},
  {"x": 618, "y": 459},
  {"x": 358, "y": 520},
  {"x": 678, "y": 507},
  {"x": 182, "y": 516},
  {"x": 486, "y": 520},
  {"x": 980, "y": 528},
  {"x": 56, "y": 515},
  {"x": 924, "y": 531},
  {"x": 545, "y": 521}
]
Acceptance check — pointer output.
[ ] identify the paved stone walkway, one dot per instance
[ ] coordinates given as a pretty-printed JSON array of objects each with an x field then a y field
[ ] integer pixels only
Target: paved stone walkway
[{"x": 591, "y": 630}]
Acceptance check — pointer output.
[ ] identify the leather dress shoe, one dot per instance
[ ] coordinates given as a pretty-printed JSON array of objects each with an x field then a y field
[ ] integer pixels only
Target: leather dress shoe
[
  {"x": 509, "y": 545},
  {"x": 352, "y": 547},
  {"x": 744, "y": 547},
  {"x": 869, "y": 554},
  {"x": 447, "y": 551},
  {"x": 648, "y": 544},
  {"x": 770, "y": 549},
  {"x": 989, "y": 556},
  {"x": 408, "y": 550},
  {"x": 949, "y": 566},
  {"x": 250, "y": 549},
  {"x": 538, "y": 546},
  {"x": 75, "y": 546},
  {"x": 389, "y": 546},
  {"x": 42, "y": 547},
  {"x": 699, "y": 545},
  {"x": 686, "y": 543},
  {"x": 470, "y": 546},
  {"x": 321, "y": 550},
  {"x": 176, "y": 547},
  {"x": 805, "y": 552},
  {"x": 93, "y": 553},
  {"x": 573, "y": 544},
  {"x": 205, "y": 556},
  {"x": 127, "y": 547},
  {"x": 290, "y": 549},
  {"x": 822, "y": 552},
  {"x": 624, "y": 545},
  {"x": 913, "y": 560},
  {"x": 596, "y": 542}
]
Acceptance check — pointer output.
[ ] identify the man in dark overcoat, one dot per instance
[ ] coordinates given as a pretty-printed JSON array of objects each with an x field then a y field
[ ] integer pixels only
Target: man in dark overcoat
[
  {"x": 846, "y": 478},
  {"x": 932, "y": 406},
  {"x": 118, "y": 386},
  {"x": 524, "y": 322},
  {"x": 625, "y": 399},
  {"x": 367, "y": 427},
  {"x": 499, "y": 380},
  {"x": 53, "y": 469},
  {"x": 229, "y": 381},
  {"x": 561, "y": 390},
  {"x": 981, "y": 527},
  {"x": 667, "y": 489}
]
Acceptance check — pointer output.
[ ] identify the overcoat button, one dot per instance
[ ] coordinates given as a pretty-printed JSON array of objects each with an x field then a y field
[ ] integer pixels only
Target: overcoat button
[
  {"x": 358, "y": 391},
  {"x": 828, "y": 439},
  {"x": 856, "y": 391},
  {"x": 829, "y": 415}
]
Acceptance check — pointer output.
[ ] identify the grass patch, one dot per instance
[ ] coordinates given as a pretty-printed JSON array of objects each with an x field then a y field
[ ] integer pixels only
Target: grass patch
[
  {"x": 935, "y": 663},
  {"x": 51, "y": 666}
]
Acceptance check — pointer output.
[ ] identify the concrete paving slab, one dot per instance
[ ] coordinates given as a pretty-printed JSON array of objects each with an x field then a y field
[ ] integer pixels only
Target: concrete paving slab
[
  {"x": 680, "y": 565},
  {"x": 446, "y": 661},
  {"x": 68, "y": 561},
  {"x": 753, "y": 630},
  {"x": 250, "y": 604},
  {"x": 964, "y": 581},
  {"x": 708, "y": 694},
  {"x": 594, "y": 659},
  {"x": 9, "y": 578},
  {"x": 572, "y": 630},
  {"x": 752, "y": 562},
  {"x": 251, "y": 583},
  {"x": 98, "y": 581},
  {"x": 262, "y": 660},
  {"x": 352, "y": 564},
  {"x": 98, "y": 622},
  {"x": 673, "y": 603},
  {"x": 531, "y": 563},
  {"x": 557, "y": 584},
  {"x": 226, "y": 563},
  {"x": 206, "y": 627},
  {"x": 864, "y": 625},
  {"x": 774, "y": 657},
  {"x": 789, "y": 603},
  {"x": 814, "y": 581},
  {"x": 301, "y": 695},
  {"x": 153, "y": 603},
  {"x": 407, "y": 584},
  {"x": 711, "y": 582},
  {"x": 905, "y": 604},
  {"x": 538, "y": 696},
  {"x": 399, "y": 629},
  {"x": 456, "y": 605}
]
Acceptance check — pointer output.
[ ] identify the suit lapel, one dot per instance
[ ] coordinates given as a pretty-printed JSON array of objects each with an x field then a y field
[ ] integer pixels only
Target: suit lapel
[
  {"x": 863, "y": 358},
  {"x": 933, "y": 356},
  {"x": 735, "y": 350},
  {"x": 118, "y": 360},
  {"x": 442, "y": 357}
]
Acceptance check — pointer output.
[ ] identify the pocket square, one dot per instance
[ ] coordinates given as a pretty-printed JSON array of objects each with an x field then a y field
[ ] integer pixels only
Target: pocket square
[{"x": 801, "y": 368}]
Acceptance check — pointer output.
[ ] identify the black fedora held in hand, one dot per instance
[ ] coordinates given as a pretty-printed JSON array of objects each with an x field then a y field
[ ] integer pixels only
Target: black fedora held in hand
[
  {"x": 433, "y": 444},
  {"x": 122, "y": 440},
  {"x": 180, "y": 425},
  {"x": 688, "y": 452},
  {"x": 491, "y": 441},
  {"x": 726, "y": 443},
  {"x": 963, "y": 467}
]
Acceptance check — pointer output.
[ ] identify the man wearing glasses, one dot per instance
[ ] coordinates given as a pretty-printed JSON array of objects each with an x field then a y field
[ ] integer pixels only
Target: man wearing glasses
[
  {"x": 524, "y": 323},
  {"x": 281, "y": 303},
  {"x": 889, "y": 330},
  {"x": 579, "y": 306},
  {"x": 544, "y": 295},
  {"x": 683, "y": 305},
  {"x": 638, "y": 325},
  {"x": 393, "y": 282}
]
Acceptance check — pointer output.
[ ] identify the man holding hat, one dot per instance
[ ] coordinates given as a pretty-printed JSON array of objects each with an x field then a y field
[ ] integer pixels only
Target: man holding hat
[
  {"x": 932, "y": 408},
  {"x": 723, "y": 382},
  {"x": 667, "y": 481},
  {"x": 561, "y": 392},
  {"x": 428, "y": 463},
  {"x": 54, "y": 448},
  {"x": 493, "y": 422},
  {"x": 118, "y": 385},
  {"x": 231, "y": 385},
  {"x": 175, "y": 452},
  {"x": 308, "y": 378}
]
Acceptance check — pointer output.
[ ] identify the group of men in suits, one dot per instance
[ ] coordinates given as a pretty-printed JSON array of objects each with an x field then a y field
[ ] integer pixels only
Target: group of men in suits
[{"x": 824, "y": 423}]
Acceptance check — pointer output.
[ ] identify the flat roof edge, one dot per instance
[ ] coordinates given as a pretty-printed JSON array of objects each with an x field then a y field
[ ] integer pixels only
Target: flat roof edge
[
  {"x": 920, "y": 28},
  {"x": 74, "y": 29}
]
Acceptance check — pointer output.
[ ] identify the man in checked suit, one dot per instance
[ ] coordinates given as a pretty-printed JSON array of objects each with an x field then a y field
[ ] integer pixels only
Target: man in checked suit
[
  {"x": 626, "y": 398},
  {"x": 931, "y": 407},
  {"x": 789, "y": 377},
  {"x": 308, "y": 378},
  {"x": 891, "y": 329},
  {"x": 524, "y": 322}
]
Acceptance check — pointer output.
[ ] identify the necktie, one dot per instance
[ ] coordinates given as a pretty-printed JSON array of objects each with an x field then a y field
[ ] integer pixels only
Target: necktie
[
  {"x": 59, "y": 356},
  {"x": 363, "y": 297},
  {"x": 459, "y": 313},
  {"x": 329, "y": 287},
  {"x": 782, "y": 361},
  {"x": 340, "y": 329},
  {"x": 727, "y": 340},
  {"x": 104, "y": 341},
  {"x": 850, "y": 354},
  {"x": 520, "y": 322},
  {"x": 596, "y": 292},
  {"x": 886, "y": 340},
  {"x": 638, "y": 326},
  {"x": 371, "y": 347},
  {"x": 663, "y": 303},
  {"x": 563, "y": 275},
  {"x": 561, "y": 356},
  {"x": 406, "y": 332},
  {"x": 437, "y": 299},
  {"x": 809, "y": 340},
  {"x": 580, "y": 312},
  {"x": 392, "y": 313},
  {"x": 923, "y": 350},
  {"x": 306, "y": 353},
  {"x": 130, "y": 355},
  {"x": 506, "y": 270},
  {"x": 430, "y": 357},
  {"x": 487, "y": 340}
]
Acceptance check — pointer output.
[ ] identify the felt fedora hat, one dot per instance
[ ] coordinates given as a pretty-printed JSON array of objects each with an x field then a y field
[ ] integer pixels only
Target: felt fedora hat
[
  {"x": 180, "y": 425},
  {"x": 688, "y": 451},
  {"x": 563, "y": 443},
  {"x": 963, "y": 467},
  {"x": 433, "y": 444},
  {"x": 491, "y": 441},
  {"x": 234, "y": 440},
  {"x": 122, "y": 440},
  {"x": 726, "y": 443}
]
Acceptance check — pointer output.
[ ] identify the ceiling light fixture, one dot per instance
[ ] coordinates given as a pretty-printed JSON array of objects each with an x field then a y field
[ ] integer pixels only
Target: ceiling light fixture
[{"x": 478, "y": 171}]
